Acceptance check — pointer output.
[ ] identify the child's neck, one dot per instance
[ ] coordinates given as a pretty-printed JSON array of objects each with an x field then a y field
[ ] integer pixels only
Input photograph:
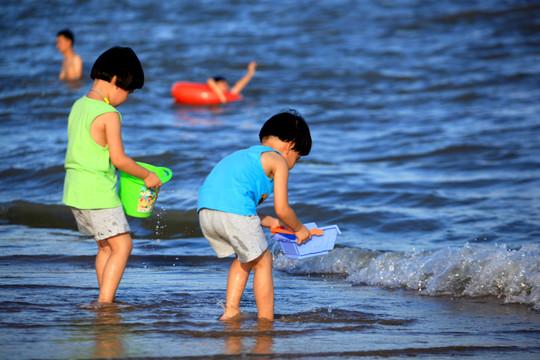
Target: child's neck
[
  {"x": 275, "y": 143},
  {"x": 69, "y": 53},
  {"x": 100, "y": 91}
]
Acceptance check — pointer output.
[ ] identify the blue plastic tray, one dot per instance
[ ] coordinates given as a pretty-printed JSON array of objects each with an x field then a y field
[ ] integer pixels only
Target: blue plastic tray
[{"x": 317, "y": 245}]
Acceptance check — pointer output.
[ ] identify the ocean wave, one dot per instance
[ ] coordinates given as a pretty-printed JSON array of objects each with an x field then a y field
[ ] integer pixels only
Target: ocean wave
[
  {"x": 511, "y": 275},
  {"x": 169, "y": 224}
]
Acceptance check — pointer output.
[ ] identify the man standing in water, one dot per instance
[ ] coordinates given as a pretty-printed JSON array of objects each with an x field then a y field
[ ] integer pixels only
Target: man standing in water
[{"x": 72, "y": 64}]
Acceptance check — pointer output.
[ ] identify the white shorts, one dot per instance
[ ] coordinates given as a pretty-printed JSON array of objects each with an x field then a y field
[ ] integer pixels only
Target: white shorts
[
  {"x": 101, "y": 223},
  {"x": 233, "y": 234}
]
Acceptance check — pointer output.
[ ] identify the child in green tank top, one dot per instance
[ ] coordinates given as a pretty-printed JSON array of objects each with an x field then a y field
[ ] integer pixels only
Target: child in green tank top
[{"x": 95, "y": 150}]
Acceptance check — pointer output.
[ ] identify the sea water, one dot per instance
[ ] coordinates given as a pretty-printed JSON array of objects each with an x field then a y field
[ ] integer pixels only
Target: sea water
[{"x": 424, "y": 118}]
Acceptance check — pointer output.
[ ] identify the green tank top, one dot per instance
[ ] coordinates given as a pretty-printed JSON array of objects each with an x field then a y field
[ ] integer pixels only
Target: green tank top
[{"x": 90, "y": 181}]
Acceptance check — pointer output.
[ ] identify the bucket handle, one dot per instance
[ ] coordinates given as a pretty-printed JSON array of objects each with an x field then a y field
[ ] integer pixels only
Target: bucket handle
[{"x": 168, "y": 175}]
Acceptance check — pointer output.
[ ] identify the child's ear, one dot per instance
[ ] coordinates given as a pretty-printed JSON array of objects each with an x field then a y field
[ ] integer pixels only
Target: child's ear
[
  {"x": 290, "y": 146},
  {"x": 113, "y": 80}
]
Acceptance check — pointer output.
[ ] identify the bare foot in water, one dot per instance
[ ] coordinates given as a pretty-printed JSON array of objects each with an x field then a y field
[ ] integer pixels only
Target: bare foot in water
[{"x": 230, "y": 312}]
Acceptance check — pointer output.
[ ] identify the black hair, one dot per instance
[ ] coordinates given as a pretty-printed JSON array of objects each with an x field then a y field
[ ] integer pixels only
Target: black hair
[
  {"x": 219, "y": 78},
  {"x": 122, "y": 62},
  {"x": 67, "y": 34},
  {"x": 289, "y": 125}
]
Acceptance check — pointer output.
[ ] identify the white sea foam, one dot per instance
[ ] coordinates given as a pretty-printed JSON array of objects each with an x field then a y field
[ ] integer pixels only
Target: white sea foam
[{"x": 511, "y": 275}]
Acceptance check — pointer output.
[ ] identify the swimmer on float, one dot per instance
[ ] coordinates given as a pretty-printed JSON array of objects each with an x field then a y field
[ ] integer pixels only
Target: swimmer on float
[{"x": 220, "y": 86}]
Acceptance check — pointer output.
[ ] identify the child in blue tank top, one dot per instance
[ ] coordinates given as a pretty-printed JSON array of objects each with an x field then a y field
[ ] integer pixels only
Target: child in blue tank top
[{"x": 227, "y": 207}]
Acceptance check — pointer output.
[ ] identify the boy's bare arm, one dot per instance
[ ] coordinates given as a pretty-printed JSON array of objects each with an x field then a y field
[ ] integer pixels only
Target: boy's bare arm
[
  {"x": 241, "y": 84},
  {"x": 212, "y": 84},
  {"x": 281, "y": 202},
  {"x": 271, "y": 222}
]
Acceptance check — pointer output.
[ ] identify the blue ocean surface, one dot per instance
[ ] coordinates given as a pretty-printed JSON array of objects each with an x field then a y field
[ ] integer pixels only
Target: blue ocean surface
[{"x": 426, "y": 140}]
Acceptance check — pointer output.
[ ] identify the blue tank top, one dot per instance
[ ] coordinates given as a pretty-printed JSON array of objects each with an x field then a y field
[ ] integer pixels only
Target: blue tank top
[{"x": 237, "y": 184}]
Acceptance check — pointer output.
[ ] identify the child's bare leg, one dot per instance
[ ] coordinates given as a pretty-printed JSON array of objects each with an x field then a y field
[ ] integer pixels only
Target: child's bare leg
[
  {"x": 104, "y": 251},
  {"x": 113, "y": 269},
  {"x": 263, "y": 286},
  {"x": 236, "y": 283}
]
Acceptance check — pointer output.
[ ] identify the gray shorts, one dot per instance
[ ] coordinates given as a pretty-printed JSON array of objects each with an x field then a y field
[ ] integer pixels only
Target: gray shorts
[
  {"x": 233, "y": 234},
  {"x": 101, "y": 223}
]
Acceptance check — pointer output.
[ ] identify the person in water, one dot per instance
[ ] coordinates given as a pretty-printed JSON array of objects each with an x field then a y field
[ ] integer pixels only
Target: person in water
[
  {"x": 95, "y": 150},
  {"x": 72, "y": 65},
  {"x": 220, "y": 86},
  {"x": 227, "y": 207}
]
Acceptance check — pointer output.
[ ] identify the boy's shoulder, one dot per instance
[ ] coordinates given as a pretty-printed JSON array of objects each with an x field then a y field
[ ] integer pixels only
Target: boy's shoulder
[
  {"x": 263, "y": 148},
  {"x": 255, "y": 149},
  {"x": 248, "y": 155}
]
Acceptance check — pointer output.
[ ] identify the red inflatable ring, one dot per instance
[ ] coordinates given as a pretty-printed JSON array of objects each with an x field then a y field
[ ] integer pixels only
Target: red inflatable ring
[{"x": 198, "y": 94}]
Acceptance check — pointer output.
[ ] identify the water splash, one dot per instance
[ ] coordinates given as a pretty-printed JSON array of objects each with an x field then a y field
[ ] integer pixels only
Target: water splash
[{"x": 512, "y": 275}]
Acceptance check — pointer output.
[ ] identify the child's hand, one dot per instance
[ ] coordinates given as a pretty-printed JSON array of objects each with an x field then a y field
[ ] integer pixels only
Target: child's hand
[
  {"x": 277, "y": 224},
  {"x": 272, "y": 222},
  {"x": 152, "y": 181},
  {"x": 302, "y": 235},
  {"x": 251, "y": 67}
]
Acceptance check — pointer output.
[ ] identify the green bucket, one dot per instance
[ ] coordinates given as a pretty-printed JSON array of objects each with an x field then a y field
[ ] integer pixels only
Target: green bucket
[{"x": 137, "y": 199}]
